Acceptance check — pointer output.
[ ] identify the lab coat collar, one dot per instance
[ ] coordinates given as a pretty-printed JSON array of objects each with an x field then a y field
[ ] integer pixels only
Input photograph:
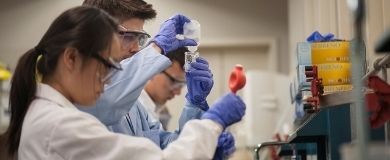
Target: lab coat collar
[
  {"x": 47, "y": 92},
  {"x": 148, "y": 103}
]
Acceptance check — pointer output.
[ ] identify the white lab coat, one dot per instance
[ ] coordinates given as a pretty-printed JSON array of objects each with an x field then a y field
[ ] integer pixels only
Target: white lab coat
[{"x": 55, "y": 129}]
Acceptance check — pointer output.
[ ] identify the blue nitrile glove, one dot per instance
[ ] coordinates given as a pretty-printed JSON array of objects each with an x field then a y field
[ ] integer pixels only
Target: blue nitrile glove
[
  {"x": 227, "y": 110},
  {"x": 166, "y": 38},
  {"x": 199, "y": 83},
  {"x": 226, "y": 146},
  {"x": 317, "y": 37}
]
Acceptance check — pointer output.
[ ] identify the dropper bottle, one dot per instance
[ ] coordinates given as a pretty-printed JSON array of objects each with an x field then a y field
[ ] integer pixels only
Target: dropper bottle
[{"x": 191, "y": 30}]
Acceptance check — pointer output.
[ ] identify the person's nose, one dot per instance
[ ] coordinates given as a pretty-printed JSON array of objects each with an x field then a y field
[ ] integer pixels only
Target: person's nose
[{"x": 134, "y": 47}]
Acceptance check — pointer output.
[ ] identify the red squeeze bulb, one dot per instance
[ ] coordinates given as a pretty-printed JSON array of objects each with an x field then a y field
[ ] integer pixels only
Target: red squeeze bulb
[{"x": 237, "y": 78}]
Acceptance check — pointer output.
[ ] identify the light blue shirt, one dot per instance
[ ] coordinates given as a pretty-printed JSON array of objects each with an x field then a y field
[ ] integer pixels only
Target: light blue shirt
[
  {"x": 126, "y": 86},
  {"x": 137, "y": 122}
]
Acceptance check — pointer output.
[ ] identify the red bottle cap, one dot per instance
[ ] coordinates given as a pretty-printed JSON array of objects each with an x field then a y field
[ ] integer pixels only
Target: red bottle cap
[{"x": 237, "y": 78}]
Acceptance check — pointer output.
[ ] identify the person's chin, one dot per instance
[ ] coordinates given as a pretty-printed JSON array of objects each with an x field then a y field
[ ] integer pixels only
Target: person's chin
[
  {"x": 170, "y": 97},
  {"x": 91, "y": 102},
  {"x": 161, "y": 103},
  {"x": 98, "y": 94}
]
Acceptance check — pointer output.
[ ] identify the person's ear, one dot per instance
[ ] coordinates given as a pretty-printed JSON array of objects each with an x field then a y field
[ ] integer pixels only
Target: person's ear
[{"x": 71, "y": 58}]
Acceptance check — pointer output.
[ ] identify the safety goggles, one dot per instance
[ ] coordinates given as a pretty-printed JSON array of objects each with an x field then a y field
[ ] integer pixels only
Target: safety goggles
[
  {"x": 130, "y": 36},
  {"x": 113, "y": 67},
  {"x": 175, "y": 83}
]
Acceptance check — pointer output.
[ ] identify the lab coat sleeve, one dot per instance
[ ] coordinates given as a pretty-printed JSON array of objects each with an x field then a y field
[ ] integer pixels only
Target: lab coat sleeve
[
  {"x": 197, "y": 137},
  {"x": 126, "y": 86},
  {"x": 189, "y": 112},
  {"x": 83, "y": 137}
]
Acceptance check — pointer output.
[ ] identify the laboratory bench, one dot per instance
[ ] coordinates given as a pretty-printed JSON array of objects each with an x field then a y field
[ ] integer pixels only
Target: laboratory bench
[{"x": 322, "y": 134}]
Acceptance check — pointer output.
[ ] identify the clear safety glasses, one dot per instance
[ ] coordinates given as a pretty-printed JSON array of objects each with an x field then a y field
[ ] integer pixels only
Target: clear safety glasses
[
  {"x": 130, "y": 36},
  {"x": 175, "y": 83},
  {"x": 113, "y": 67}
]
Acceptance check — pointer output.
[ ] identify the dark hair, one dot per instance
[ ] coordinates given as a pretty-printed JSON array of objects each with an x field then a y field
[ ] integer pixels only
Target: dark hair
[
  {"x": 178, "y": 55},
  {"x": 124, "y": 9},
  {"x": 87, "y": 29}
]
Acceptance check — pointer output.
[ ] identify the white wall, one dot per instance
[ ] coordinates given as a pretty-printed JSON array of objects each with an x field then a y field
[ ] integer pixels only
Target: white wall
[{"x": 23, "y": 24}]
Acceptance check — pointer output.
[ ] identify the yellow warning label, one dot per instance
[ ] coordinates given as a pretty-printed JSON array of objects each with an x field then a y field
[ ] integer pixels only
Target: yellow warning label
[
  {"x": 334, "y": 73},
  {"x": 337, "y": 88},
  {"x": 330, "y": 52}
]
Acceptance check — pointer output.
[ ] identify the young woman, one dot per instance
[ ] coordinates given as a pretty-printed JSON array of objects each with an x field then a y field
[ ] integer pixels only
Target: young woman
[{"x": 75, "y": 58}]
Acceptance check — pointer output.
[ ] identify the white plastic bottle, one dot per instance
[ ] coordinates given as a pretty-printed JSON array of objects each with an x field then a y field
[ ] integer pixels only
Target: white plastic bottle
[{"x": 191, "y": 30}]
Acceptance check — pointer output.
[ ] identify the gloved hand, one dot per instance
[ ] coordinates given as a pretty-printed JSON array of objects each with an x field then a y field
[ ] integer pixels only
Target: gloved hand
[
  {"x": 317, "y": 37},
  {"x": 225, "y": 147},
  {"x": 199, "y": 83},
  {"x": 378, "y": 102},
  {"x": 166, "y": 38},
  {"x": 380, "y": 110},
  {"x": 227, "y": 110},
  {"x": 379, "y": 118}
]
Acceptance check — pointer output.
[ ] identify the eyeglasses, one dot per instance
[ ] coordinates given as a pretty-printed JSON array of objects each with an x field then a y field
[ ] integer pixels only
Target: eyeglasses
[
  {"x": 113, "y": 66},
  {"x": 129, "y": 37},
  {"x": 176, "y": 84}
]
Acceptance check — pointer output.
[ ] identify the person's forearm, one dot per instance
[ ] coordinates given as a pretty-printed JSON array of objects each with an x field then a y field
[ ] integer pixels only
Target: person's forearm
[{"x": 126, "y": 86}]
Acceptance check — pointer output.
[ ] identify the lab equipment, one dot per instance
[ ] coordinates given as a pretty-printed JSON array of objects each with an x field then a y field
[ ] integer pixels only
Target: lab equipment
[
  {"x": 358, "y": 58},
  {"x": 316, "y": 89},
  {"x": 189, "y": 58},
  {"x": 227, "y": 110},
  {"x": 323, "y": 52},
  {"x": 199, "y": 83},
  {"x": 330, "y": 52},
  {"x": 332, "y": 60},
  {"x": 129, "y": 36},
  {"x": 166, "y": 38},
  {"x": 237, "y": 78},
  {"x": 191, "y": 30}
]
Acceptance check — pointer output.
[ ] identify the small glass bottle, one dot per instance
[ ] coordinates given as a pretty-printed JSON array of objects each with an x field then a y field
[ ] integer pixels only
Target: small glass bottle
[{"x": 189, "y": 58}]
